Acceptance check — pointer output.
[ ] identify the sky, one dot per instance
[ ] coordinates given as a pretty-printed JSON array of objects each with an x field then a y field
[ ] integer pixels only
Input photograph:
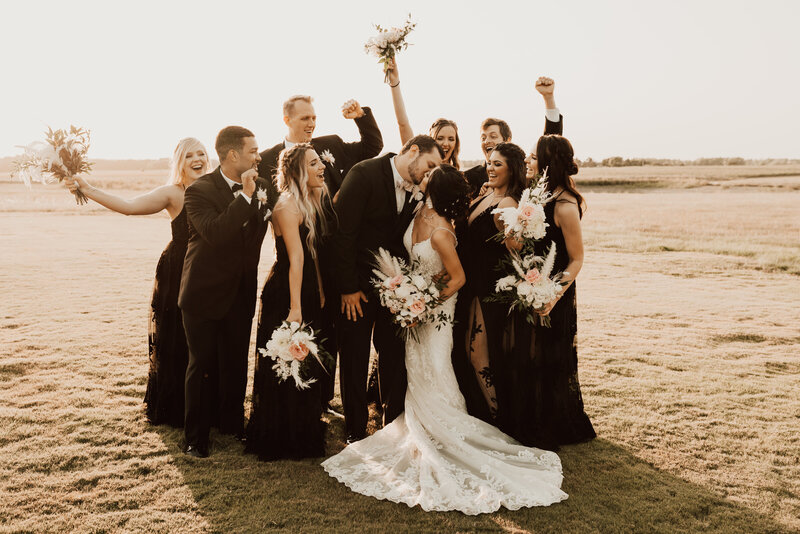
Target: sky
[{"x": 679, "y": 79}]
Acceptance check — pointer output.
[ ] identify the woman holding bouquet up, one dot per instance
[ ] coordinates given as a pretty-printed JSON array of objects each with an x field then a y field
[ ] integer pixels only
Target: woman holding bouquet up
[
  {"x": 285, "y": 421},
  {"x": 164, "y": 398},
  {"x": 443, "y": 131},
  {"x": 480, "y": 333},
  {"x": 547, "y": 405}
]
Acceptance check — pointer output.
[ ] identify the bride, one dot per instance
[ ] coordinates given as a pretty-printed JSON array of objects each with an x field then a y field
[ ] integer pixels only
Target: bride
[{"x": 435, "y": 455}]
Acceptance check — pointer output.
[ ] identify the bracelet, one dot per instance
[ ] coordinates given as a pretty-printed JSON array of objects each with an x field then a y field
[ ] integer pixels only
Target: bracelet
[{"x": 395, "y": 85}]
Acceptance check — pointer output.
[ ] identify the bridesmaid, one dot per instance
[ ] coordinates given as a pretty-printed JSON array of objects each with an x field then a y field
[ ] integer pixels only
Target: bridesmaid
[
  {"x": 443, "y": 131},
  {"x": 167, "y": 343},
  {"x": 547, "y": 405},
  {"x": 285, "y": 422},
  {"x": 480, "y": 331}
]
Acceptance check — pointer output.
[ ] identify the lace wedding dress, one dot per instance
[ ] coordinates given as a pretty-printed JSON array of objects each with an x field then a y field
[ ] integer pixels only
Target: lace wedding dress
[{"x": 435, "y": 455}]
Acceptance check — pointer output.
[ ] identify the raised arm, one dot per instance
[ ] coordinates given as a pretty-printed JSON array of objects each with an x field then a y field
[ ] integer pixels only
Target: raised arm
[
  {"x": 554, "y": 121},
  {"x": 167, "y": 197},
  {"x": 371, "y": 141},
  {"x": 399, "y": 104}
]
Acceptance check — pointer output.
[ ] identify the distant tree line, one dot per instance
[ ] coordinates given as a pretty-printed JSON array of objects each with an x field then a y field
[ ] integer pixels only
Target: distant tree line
[{"x": 618, "y": 161}]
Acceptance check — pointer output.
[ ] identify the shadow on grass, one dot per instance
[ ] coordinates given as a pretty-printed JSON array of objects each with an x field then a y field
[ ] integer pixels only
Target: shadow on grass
[{"x": 610, "y": 490}]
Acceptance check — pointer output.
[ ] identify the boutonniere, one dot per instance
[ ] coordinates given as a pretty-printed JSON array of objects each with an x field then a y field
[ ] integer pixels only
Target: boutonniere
[
  {"x": 327, "y": 157},
  {"x": 416, "y": 192},
  {"x": 261, "y": 196}
]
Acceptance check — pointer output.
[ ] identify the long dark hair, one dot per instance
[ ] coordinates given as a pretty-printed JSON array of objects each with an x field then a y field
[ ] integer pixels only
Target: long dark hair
[
  {"x": 555, "y": 153},
  {"x": 515, "y": 159},
  {"x": 449, "y": 192}
]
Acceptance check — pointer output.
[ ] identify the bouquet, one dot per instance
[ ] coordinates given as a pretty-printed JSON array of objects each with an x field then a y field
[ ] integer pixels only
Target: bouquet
[
  {"x": 530, "y": 285},
  {"x": 526, "y": 221},
  {"x": 289, "y": 347},
  {"x": 407, "y": 293},
  {"x": 387, "y": 43},
  {"x": 63, "y": 154}
]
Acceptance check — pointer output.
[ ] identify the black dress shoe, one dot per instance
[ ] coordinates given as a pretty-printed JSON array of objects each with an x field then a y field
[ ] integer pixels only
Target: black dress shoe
[{"x": 196, "y": 452}]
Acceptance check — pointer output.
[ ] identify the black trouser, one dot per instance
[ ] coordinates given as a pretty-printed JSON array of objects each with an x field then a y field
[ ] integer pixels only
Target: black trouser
[
  {"x": 223, "y": 344},
  {"x": 330, "y": 330},
  {"x": 354, "y": 351}
]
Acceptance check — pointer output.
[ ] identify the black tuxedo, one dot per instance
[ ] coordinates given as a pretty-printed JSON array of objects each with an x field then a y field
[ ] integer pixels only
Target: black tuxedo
[
  {"x": 477, "y": 176},
  {"x": 345, "y": 154},
  {"x": 218, "y": 296},
  {"x": 368, "y": 220}
]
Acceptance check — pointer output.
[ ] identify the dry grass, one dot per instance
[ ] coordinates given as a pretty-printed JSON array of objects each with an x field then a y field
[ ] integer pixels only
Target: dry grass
[{"x": 689, "y": 365}]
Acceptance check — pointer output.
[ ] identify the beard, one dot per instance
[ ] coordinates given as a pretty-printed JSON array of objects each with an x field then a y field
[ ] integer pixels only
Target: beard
[{"x": 414, "y": 171}]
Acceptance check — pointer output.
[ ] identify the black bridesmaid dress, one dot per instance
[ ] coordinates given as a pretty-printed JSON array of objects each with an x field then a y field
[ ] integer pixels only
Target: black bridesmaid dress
[
  {"x": 546, "y": 402},
  {"x": 285, "y": 422},
  {"x": 166, "y": 339},
  {"x": 480, "y": 374}
]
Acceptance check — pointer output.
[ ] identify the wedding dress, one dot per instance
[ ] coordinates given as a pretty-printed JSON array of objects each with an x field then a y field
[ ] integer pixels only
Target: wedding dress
[{"x": 435, "y": 455}]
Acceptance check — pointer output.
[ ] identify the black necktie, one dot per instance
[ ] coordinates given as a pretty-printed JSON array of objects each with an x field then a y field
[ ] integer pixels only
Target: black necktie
[{"x": 236, "y": 187}]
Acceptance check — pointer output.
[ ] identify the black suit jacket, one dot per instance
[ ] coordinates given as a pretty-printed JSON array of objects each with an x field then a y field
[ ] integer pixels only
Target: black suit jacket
[
  {"x": 223, "y": 251},
  {"x": 477, "y": 176},
  {"x": 345, "y": 155},
  {"x": 368, "y": 220}
]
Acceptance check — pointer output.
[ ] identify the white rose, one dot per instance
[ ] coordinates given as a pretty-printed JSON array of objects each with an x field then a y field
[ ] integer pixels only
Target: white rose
[{"x": 418, "y": 281}]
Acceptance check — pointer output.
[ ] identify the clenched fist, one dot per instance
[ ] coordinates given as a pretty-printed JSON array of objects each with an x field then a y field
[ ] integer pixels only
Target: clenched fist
[
  {"x": 545, "y": 85},
  {"x": 352, "y": 110},
  {"x": 249, "y": 182}
]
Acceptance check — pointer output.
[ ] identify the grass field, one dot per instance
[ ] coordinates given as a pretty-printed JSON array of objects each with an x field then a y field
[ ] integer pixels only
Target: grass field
[{"x": 689, "y": 361}]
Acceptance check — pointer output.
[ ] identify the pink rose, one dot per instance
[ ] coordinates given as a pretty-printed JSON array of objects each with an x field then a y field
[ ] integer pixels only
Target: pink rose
[
  {"x": 526, "y": 212},
  {"x": 417, "y": 307},
  {"x": 298, "y": 350},
  {"x": 532, "y": 276},
  {"x": 394, "y": 283}
]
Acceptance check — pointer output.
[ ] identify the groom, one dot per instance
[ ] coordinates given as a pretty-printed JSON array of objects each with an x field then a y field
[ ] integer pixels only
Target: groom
[
  {"x": 228, "y": 212},
  {"x": 375, "y": 206}
]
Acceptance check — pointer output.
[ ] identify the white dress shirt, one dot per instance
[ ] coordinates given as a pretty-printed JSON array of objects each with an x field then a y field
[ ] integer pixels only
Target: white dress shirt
[
  {"x": 231, "y": 184},
  {"x": 399, "y": 187},
  {"x": 552, "y": 114}
]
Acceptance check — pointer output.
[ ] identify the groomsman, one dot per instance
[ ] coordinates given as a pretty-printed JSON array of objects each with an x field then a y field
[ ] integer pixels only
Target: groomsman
[
  {"x": 228, "y": 211},
  {"x": 338, "y": 157},
  {"x": 301, "y": 121},
  {"x": 496, "y": 131},
  {"x": 375, "y": 206}
]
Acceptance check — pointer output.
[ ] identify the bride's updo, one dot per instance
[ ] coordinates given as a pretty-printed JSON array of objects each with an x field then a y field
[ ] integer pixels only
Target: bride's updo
[{"x": 449, "y": 191}]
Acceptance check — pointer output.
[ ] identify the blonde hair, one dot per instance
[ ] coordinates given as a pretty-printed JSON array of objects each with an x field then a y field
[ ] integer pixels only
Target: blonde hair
[
  {"x": 176, "y": 174},
  {"x": 292, "y": 178},
  {"x": 288, "y": 106}
]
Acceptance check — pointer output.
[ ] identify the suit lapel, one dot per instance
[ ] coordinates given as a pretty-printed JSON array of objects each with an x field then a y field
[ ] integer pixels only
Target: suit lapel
[
  {"x": 225, "y": 195},
  {"x": 388, "y": 182}
]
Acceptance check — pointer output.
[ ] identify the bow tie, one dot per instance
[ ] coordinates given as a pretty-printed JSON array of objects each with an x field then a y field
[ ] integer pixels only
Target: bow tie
[
  {"x": 236, "y": 187},
  {"x": 403, "y": 185}
]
